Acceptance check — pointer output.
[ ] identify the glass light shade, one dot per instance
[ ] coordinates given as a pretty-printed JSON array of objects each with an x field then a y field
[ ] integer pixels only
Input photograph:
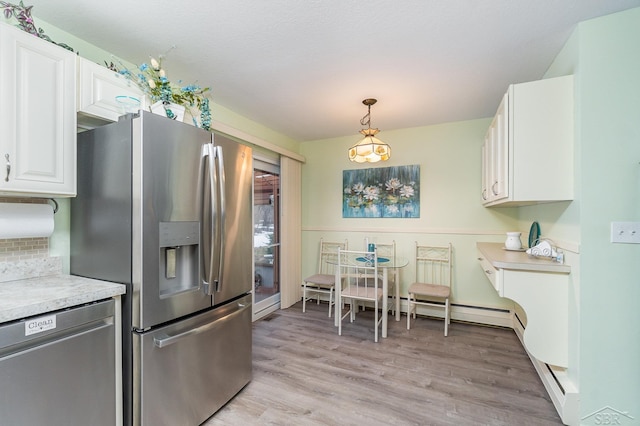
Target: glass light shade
[{"x": 370, "y": 149}]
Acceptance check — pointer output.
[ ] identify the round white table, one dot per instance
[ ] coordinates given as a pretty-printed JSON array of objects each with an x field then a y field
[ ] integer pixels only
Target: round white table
[{"x": 386, "y": 264}]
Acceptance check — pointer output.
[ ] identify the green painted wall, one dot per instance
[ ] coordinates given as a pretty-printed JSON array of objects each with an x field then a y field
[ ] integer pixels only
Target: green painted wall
[
  {"x": 610, "y": 273},
  {"x": 604, "y": 314}
]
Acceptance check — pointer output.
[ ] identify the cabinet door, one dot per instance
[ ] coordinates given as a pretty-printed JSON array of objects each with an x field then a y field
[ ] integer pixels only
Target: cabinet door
[
  {"x": 103, "y": 95},
  {"x": 500, "y": 184},
  {"x": 542, "y": 134},
  {"x": 37, "y": 116},
  {"x": 488, "y": 164},
  {"x": 495, "y": 157},
  {"x": 485, "y": 167}
]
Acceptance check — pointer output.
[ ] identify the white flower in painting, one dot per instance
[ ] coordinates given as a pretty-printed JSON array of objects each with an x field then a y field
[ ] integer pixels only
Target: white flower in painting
[
  {"x": 393, "y": 209},
  {"x": 358, "y": 188},
  {"x": 347, "y": 190},
  {"x": 406, "y": 191},
  {"x": 371, "y": 193},
  {"x": 393, "y": 184}
]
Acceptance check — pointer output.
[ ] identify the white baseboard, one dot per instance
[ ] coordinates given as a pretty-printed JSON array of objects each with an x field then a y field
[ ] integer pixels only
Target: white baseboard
[
  {"x": 473, "y": 314},
  {"x": 561, "y": 390}
]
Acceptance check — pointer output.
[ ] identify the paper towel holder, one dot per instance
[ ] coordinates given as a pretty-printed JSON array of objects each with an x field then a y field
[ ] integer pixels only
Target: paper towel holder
[{"x": 55, "y": 205}]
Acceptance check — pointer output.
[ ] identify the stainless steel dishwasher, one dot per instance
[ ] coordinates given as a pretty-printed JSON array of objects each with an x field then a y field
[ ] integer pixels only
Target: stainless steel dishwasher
[{"x": 59, "y": 368}]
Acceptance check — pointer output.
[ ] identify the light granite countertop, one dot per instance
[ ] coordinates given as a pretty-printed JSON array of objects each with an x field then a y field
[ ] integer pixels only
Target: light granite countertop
[{"x": 34, "y": 296}]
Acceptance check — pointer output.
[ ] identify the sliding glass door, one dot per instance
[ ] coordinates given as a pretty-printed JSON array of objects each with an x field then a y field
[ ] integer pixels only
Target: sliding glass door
[{"x": 266, "y": 238}]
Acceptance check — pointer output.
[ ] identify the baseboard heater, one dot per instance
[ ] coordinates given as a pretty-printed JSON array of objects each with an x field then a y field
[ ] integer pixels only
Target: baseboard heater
[
  {"x": 560, "y": 388},
  {"x": 480, "y": 315}
]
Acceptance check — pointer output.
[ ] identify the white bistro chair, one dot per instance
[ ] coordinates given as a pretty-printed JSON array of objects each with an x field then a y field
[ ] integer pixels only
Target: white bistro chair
[
  {"x": 323, "y": 282},
  {"x": 361, "y": 282},
  {"x": 432, "y": 286}
]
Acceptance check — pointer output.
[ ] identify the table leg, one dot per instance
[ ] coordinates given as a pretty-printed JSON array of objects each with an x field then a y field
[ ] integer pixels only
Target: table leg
[
  {"x": 385, "y": 300},
  {"x": 396, "y": 281},
  {"x": 338, "y": 291}
]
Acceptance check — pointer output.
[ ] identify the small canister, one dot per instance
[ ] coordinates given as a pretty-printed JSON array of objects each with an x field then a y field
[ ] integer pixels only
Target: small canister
[
  {"x": 513, "y": 241},
  {"x": 371, "y": 248}
]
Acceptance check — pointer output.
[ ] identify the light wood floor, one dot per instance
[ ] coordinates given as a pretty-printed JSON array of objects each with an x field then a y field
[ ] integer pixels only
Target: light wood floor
[{"x": 305, "y": 374}]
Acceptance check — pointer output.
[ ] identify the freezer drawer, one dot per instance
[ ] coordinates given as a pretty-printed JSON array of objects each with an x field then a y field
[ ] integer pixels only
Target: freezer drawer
[
  {"x": 59, "y": 368},
  {"x": 188, "y": 370}
]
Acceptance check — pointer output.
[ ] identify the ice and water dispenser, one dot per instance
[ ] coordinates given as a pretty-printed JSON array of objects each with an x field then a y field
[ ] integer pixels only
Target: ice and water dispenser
[{"x": 179, "y": 267}]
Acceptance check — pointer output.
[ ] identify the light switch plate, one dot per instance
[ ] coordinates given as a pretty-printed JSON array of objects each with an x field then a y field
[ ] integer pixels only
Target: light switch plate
[{"x": 625, "y": 232}]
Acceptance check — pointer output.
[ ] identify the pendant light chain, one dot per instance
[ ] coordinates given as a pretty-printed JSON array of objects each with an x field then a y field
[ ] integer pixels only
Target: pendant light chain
[{"x": 366, "y": 120}]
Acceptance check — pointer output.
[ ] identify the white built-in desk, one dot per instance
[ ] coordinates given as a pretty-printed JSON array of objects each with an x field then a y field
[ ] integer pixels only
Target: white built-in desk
[{"x": 541, "y": 287}]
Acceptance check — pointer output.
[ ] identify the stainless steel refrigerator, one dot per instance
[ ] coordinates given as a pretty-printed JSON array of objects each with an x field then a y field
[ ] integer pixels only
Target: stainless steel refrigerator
[{"x": 165, "y": 208}]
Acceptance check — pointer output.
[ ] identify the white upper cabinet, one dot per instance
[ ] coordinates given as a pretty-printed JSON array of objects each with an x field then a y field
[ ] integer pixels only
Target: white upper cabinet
[
  {"x": 37, "y": 116},
  {"x": 495, "y": 158},
  {"x": 527, "y": 156},
  {"x": 104, "y": 95}
]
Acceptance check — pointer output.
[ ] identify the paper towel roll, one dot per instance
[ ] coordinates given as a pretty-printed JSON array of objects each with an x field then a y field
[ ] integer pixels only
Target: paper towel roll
[{"x": 25, "y": 220}]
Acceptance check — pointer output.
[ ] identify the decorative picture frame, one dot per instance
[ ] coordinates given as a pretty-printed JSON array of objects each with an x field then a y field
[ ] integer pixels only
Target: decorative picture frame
[{"x": 383, "y": 192}]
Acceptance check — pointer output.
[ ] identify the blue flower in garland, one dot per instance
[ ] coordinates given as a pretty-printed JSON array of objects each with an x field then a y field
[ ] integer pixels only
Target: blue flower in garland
[{"x": 205, "y": 115}]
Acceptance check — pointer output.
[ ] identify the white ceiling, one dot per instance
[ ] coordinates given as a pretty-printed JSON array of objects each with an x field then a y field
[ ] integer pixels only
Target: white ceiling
[{"x": 303, "y": 68}]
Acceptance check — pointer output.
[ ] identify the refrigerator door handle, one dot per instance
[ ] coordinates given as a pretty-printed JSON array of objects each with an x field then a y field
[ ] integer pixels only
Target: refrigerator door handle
[
  {"x": 208, "y": 214},
  {"x": 222, "y": 214},
  {"x": 163, "y": 340}
]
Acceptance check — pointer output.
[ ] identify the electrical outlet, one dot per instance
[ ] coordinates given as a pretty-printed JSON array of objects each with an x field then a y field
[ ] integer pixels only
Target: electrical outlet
[{"x": 625, "y": 232}]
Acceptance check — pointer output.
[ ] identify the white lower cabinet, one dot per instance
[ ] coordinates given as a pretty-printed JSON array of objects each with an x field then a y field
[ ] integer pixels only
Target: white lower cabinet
[
  {"x": 104, "y": 95},
  {"x": 37, "y": 116}
]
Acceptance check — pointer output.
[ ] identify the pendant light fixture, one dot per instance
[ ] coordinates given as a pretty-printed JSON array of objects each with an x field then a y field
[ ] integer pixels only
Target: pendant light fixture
[{"x": 370, "y": 149}]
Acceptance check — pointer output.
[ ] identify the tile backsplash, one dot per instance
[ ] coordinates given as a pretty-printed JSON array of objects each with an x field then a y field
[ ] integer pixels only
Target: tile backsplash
[
  {"x": 23, "y": 246},
  {"x": 23, "y": 249},
  {"x": 20, "y": 252}
]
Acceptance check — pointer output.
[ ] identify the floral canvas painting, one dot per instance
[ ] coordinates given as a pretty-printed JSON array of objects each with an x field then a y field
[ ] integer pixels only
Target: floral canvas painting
[{"x": 381, "y": 192}]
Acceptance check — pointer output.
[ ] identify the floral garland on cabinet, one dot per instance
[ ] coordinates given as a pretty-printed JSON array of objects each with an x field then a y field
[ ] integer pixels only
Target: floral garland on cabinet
[
  {"x": 22, "y": 14},
  {"x": 152, "y": 79}
]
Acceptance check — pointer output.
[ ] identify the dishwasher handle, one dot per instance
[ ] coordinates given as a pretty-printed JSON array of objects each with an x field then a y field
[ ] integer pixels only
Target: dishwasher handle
[{"x": 163, "y": 340}]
